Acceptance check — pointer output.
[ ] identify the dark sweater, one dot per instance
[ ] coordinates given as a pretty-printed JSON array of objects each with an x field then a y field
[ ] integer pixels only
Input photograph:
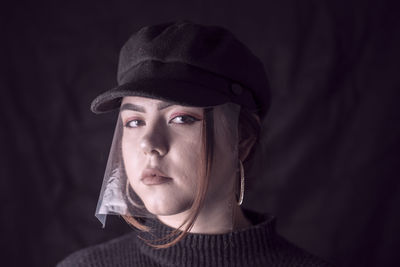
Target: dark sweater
[{"x": 258, "y": 245}]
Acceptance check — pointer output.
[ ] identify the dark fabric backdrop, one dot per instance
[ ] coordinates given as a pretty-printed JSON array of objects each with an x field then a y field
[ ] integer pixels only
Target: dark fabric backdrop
[{"x": 330, "y": 148}]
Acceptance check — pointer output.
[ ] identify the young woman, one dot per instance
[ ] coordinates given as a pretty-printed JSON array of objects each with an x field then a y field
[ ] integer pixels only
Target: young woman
[{"x": 191, "y": 99}]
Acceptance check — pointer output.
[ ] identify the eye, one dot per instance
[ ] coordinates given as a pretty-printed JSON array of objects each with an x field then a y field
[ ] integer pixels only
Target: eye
[
  {"x": 134, "y": 123},
  {"x": 184, "y": 119}
]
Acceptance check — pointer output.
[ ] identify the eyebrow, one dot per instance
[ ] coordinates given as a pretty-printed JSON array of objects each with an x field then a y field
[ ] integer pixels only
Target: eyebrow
[{"x": 130, "y": 106}]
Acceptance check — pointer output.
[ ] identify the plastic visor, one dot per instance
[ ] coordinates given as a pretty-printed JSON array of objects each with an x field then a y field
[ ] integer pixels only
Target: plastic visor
[{"x": 129, "y": 188}]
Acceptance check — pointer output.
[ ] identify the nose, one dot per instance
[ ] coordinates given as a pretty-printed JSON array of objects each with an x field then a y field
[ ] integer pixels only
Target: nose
[{"x": 155, "y": 141}]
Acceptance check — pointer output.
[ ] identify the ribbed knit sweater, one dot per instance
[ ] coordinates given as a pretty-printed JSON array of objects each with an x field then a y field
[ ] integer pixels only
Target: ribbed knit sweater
[{"x": 258, "y": 245}]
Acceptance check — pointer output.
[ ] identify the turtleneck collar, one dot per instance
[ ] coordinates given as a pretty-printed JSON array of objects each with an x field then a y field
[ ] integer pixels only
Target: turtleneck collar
[{"x": 245, "y": 247}]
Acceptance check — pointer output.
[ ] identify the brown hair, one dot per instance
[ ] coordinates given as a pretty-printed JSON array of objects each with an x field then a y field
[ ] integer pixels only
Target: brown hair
[{"x": 249, "y": 128}]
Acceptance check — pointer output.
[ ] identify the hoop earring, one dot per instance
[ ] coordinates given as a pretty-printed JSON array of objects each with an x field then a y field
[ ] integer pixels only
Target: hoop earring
[{"x": 241, "y": 195}]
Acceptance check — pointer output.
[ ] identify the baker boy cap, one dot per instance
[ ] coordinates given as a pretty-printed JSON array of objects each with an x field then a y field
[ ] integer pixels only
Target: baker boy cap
[{"x": 188, "y": 64}]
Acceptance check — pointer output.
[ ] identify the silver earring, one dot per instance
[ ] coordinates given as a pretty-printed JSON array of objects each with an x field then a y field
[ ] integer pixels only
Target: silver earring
[{"x": 241, "y": 195}]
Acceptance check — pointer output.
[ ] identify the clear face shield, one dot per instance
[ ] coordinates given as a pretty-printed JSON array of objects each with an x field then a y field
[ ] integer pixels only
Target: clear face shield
[{"x": 158, "y": 160}]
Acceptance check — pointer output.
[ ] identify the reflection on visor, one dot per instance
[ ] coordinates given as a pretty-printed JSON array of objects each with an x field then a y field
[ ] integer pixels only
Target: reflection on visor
[{"x": 113, "y": 198}]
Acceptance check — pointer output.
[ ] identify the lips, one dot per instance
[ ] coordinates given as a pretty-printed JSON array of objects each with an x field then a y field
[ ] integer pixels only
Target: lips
[{"x": 152, "y": 176}]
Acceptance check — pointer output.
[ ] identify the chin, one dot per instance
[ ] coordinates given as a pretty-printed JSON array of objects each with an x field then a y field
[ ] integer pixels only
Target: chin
[{"x": 167, "y": 207}]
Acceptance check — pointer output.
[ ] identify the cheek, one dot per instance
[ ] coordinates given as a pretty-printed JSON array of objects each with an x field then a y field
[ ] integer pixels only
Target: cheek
[
  {"x": 185, "y": 162},
  {"x": 184, "y": 157},
  {"x": 133, "y": 158}
]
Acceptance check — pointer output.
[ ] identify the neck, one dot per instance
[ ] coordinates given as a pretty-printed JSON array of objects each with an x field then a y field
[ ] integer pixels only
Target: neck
[{"x": 211, "y": 221}]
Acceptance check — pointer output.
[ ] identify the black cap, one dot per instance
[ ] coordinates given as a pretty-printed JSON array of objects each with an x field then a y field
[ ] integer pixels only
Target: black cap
[{"x": 188, "y": 64}]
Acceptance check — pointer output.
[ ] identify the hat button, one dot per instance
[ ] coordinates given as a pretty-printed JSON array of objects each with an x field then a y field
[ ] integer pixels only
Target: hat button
[{"x": 236, "y": 89}]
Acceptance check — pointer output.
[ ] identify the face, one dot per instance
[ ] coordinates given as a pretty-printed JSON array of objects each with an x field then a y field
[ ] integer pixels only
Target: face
[{"x": 161, "y": 150}]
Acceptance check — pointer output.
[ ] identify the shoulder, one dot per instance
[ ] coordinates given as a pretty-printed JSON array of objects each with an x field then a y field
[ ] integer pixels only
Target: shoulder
[
  {"x": 278, "y": 251},
  {"x": 289, "y": 254},
  {"x": 110, "y": 253}
]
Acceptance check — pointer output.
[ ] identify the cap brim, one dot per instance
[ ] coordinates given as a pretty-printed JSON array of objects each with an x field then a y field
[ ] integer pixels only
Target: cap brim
[{"x": 180, "y": 92}]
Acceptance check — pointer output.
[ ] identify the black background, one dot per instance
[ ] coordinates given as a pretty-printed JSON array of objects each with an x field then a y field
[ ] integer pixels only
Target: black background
[{"x": 330, "y": 149}]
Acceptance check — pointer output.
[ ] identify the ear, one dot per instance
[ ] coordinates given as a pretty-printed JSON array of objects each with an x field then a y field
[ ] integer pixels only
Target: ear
[
  {"x": 249, "y": 128},
  {"x": 245, "y": 147}
]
